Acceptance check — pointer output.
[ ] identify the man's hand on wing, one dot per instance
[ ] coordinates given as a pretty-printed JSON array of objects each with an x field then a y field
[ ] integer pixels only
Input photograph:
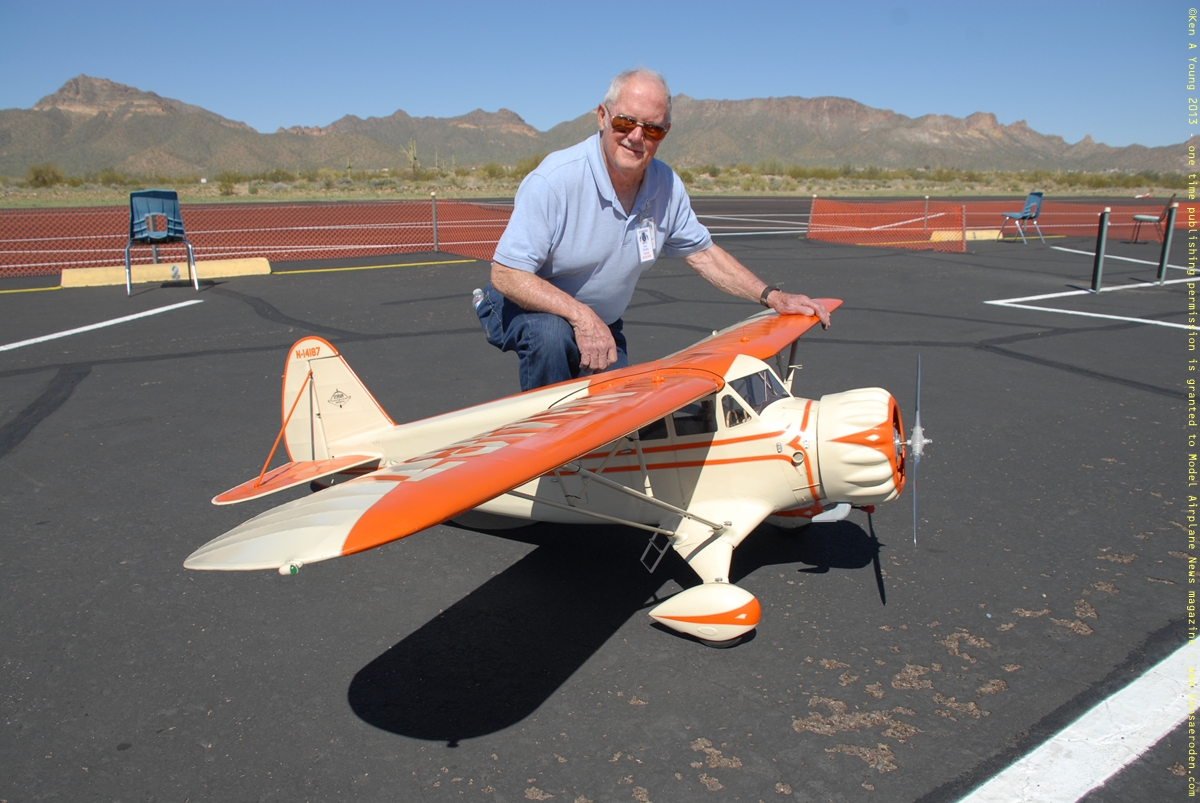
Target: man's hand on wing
[{"x": 798, "y": 304}]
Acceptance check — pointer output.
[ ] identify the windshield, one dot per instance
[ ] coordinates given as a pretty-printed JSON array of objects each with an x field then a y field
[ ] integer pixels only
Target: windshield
[{"x": 759, "y": 390}]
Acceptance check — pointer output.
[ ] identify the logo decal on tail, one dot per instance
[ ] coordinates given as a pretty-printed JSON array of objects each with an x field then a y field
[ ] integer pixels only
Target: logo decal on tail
[{"x": 339, "y": 398}]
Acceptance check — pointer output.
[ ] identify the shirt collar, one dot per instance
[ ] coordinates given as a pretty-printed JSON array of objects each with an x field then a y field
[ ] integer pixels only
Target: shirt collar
[{"x": 604, "y": 185}]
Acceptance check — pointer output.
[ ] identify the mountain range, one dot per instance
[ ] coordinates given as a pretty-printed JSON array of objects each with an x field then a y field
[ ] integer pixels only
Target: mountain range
[{"x": 92, "y": 123}]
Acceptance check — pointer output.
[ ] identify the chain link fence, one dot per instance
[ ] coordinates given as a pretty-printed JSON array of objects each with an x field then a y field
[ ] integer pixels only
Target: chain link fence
[
  {"x": 923, "y": 225},
  {"x": 948, "y": 226},
  {"x": 44, "y": 242}
]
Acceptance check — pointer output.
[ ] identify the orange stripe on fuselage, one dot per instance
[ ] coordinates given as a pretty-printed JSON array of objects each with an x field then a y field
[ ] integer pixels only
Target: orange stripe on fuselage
[
  {"x": 713, "y": 444},
  {"x": 693, "y": 463}
]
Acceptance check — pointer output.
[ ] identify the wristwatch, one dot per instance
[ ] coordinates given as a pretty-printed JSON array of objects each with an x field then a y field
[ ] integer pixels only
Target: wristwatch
[{"x": 770, "y": 288}]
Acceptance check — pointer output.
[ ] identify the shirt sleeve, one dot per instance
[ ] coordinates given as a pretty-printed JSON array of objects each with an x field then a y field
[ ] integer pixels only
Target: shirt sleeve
[{"x": 533, "y": 229}]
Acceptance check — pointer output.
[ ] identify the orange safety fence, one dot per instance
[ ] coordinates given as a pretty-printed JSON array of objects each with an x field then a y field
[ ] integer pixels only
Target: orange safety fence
[
  {"x": 43, "y": 242},
  {"x": 949, "y": 225},
  {"x": 924, "y": 225}
]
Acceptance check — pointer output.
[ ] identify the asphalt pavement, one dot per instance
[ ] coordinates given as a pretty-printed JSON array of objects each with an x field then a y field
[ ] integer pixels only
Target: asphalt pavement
[{"x": 1050, "y": 566}]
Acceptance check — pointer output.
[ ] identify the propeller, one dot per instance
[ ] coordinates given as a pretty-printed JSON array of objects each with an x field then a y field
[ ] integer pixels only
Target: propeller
[{"x": 917, "y": 443}]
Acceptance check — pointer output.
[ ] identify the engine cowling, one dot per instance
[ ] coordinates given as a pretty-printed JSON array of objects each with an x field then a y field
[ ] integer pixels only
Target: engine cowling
[{"x": 860, "y": 446}]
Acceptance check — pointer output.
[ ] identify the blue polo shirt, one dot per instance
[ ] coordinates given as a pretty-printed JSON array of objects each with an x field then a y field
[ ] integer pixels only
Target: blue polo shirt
[{"x": 569, "y": 228}]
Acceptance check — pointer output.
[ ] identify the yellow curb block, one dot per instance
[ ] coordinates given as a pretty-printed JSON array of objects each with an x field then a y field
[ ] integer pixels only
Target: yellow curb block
[
  {"x": 972, "y": 234},
  {"x": 165, "y": 272}
]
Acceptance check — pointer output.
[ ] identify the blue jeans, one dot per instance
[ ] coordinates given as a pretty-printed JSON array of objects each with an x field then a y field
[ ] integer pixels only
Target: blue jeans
[{"x": 544, "y": 343}]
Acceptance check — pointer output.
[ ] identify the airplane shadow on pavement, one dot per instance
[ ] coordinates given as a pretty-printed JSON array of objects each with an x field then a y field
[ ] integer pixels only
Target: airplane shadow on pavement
[{"x": 493, "y": 658}]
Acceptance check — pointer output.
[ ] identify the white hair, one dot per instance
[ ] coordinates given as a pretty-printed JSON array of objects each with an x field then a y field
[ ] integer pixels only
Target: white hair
[{"x": 618, "y": 83}]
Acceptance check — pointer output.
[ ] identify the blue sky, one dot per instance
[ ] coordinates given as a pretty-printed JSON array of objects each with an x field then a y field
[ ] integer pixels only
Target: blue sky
[{"x": 1114, "y": 70}]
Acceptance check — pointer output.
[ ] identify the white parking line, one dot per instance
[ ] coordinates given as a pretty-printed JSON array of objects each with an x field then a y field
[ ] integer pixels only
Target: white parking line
[
  {"x": 793, "y": 227},
  {"x": 1110, "y": 256},
  {"x": 100, "y": 325},
  {"x": 1017, "y": 303},
  {"x": 1102, "y": 742},
  {"x": 746, "y": 219}
]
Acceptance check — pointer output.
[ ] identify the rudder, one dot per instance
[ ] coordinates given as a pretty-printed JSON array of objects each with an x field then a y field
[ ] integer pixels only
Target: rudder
[{"x": 330, "y": 406}]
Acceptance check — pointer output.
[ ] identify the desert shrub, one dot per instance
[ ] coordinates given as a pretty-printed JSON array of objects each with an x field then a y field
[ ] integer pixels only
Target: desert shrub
[
  {"x": 752, "y": 183},
  {"x": 493, "y": 171},
  {"x": 278, "y": 175},
  {"x": 230, "y": 177},
  {"x": 111, "y": 177},
  {"x": 799, "y": 172},
  {"x": 44, "y": 175},
  {"x": 770, "y": 167},
  {"x": 943, "y": 175},
  {"x": 526, "y": 166},
  {"x": 709, "y": 170},
  {"x": 686, "y": 177}
]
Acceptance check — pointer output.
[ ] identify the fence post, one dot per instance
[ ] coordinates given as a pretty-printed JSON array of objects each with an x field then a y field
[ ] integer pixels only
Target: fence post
[
  {"x": 964, "y": 228},
  {"x": 1166, "y": 249},
  {"x": 926, "y": 226},
  {"x": 433, "y": 196},
  {"x": 1101, "y": 242}
]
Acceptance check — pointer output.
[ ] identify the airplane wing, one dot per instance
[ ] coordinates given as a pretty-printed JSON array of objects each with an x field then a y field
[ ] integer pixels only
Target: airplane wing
[{"x": 406, "y": 498}]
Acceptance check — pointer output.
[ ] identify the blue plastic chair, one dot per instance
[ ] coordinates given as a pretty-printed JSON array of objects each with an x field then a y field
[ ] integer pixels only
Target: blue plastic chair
[
  {"x": 146, "y": 209},
  {"x": 1033, "y": 208},
  {"x": 1157, "y": 220}
]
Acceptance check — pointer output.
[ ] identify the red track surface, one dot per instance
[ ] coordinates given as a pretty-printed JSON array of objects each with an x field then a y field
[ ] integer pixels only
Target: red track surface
[{"x": 38, "y": 242}]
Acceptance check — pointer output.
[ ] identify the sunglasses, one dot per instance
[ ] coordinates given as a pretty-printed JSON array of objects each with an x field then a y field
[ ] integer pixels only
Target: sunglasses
[{"x": 624, "y": 124}]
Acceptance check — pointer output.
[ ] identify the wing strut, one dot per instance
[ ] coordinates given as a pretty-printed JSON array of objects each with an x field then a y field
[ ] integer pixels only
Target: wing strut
[
  {"x": 637, "y": 445},
  {"x": 283, "y": 429},
  {"x": 583, "y": 481},
  {"x": 537, "y": 500},
  {"x": 575, "y": 468}
]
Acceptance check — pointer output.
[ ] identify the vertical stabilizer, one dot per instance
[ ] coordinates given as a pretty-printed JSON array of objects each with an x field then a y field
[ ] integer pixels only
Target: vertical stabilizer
[{"x": 331, "y": 405}]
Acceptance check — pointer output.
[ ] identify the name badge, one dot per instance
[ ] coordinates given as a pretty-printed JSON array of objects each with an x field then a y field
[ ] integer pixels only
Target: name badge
[{"x": 645, "y": 238}]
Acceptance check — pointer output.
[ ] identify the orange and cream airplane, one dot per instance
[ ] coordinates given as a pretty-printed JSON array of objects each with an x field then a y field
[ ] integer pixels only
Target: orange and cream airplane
[{"x": 698, "y": 448}]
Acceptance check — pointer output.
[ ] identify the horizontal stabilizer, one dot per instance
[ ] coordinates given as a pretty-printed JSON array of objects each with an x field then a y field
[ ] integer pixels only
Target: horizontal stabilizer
[{"x": 289, "y": 475}]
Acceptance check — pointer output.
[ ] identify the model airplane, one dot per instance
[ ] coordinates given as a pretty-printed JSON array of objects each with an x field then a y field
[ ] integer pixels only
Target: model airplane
[{"x": 698, "y": 448}]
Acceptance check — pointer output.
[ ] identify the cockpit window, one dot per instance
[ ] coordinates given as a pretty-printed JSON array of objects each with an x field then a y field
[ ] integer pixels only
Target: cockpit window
[
  {"x": 654, "y": 432},
  {"x": 759, "y": 390},
  {"x": 734, "y": 413},
  {"x": 696, "y": 418}
]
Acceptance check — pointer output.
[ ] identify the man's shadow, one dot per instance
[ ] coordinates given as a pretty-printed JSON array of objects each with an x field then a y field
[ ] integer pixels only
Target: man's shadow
[{"x": 491, "y": 659}]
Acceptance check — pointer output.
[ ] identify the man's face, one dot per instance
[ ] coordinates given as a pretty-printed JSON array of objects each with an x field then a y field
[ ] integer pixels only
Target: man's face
[{"x": 628, "y": 154}]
